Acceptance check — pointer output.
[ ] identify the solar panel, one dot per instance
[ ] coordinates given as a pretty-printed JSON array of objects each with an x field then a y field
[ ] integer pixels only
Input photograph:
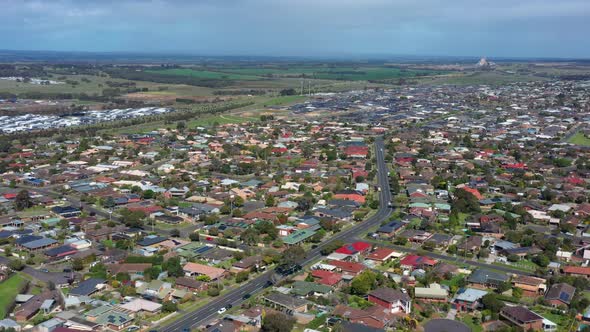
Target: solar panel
[{"x": 564, "y": 296}]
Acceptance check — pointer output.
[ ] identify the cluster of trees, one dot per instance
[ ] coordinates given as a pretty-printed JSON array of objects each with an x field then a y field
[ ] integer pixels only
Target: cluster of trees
[{"x": 465, "y": 202}]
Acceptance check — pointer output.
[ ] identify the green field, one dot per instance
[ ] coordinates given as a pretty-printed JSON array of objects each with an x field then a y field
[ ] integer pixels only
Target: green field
[
  {"x": 204, "y": 74},
  {"x": 579, "y": 139},
  {"x": 352, "y": 73},
  {"x": 9, "y": 289},
  {"x": 477, "y": 78}
]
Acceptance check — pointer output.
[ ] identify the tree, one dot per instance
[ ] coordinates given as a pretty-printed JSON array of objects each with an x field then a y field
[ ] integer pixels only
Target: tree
[
  {"x": 504, "y": 286},
  {"x": 204, "y": 278},
  {"x": 22, "y": 200},
  {"x": 242, "y": 276},
  {"x": 293, "y": 255},
  {"x": 250, "y": 237},
  {"x": 169, "y": 306},
  {"x": 132, "y": 218},
  {"x": 78, "y": 264},
  {"x": 99, "y": 270},
  {"x": 174, "y": 267},
  {"x": 277, "y": 322},
  {"x": 541, "y": 260},
  {"x": 148, "y": 194},
  {"x": 213, "y": 291},
  {"x": 194, "y": 236},
  {"x": 151, "y": 273},
  {"x": 288, "y": 92},
  {"x": 270, "y": 201},
  {"x": 513, "y": 258},
  {"x": 122, "y": 277},
  {"x": 400, "y": 240},
  {"x": 16, "y": 265},
  {"x": 490, "y": 301},
  {"x": 363, "y": 283}
]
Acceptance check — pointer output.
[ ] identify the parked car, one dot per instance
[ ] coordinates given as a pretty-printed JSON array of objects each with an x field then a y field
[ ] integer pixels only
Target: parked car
[{"x": 221, "y": 310}]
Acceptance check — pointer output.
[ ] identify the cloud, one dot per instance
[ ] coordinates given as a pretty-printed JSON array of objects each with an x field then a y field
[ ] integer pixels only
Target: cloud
[{"x": 301, "y": 27}]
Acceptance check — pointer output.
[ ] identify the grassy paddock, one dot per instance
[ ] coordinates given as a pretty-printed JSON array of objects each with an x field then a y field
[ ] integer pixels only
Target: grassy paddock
[
  {"x": 579, "y": 139},
  {"x": 9, "y": 289}
]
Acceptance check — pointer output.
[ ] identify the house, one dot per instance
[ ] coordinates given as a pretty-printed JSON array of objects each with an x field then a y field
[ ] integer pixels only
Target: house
[
  {"x": 531, "y": 286},
  {"x": 194, "y": 269},
  {"x": 468, "y": 299},
  {"x": 87, "y": 287},
  {"x": 285, "y": 303},
  {"x": 411, "y": 262},
  {"x": 560, "y": 295},
  {"x": 354, "y": 248},
  {"x": 8, "y": 323},
  {"x": 140, "y": 305},
  {"x": 370, "y": 319},
  {"x": 304, "y": 288},
  {"x": 347, "y": 268},
  {"x": 327, "y": 278},
  {"x": 433, "y": 293},
  {"x": 33, "y": 305},
  {"x": 392, "y": 299},
  {"x": 577, "y": 271},
  {"x": 191, "y": 284},
  {"x": 381, "y": 255},
  {"x": 390, "y": 229},
  {"x": 66, "y": 211},
  {"x": 522, "y": 317},
  {"x": 131, "y": 268},
  {"x": 483, "y": 278},
  {"x": 114, "y": 320}
]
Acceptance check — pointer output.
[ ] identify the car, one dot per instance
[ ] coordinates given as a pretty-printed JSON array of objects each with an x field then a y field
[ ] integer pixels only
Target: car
[
  {"x": 268, "y": 284},
  {"x": 186, "y": 329},
  {"x": 44, "y": 270},
  {"x": 67, "y": 270},
  {"x": 229, "y": 306},
  {"x": 132, "y": 328},
  {"x": 221, "y": 310},
  {"x": 246, "y": 296}
]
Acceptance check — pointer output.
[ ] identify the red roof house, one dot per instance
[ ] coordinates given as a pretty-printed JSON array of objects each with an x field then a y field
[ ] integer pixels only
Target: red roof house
[{"x": 354, "y": 248}]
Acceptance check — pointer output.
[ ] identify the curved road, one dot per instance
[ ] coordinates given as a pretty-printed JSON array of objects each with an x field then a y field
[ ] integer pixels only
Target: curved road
[{"x": 234, "y": 297}]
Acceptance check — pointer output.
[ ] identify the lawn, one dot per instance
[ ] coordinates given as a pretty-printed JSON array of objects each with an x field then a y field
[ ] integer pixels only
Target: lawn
[
  {"x": 468, "y": 320},
  {"x": 563, "y": 321},
  {"x": 453, "y": 281},
  {"x": 579, "y": 139},
  {"x": 9, "y": 289},
  {"x": 523, "y": 265}
]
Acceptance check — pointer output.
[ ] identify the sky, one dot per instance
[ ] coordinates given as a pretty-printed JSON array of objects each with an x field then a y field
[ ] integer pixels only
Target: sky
[{"x": 493, "y": 28}]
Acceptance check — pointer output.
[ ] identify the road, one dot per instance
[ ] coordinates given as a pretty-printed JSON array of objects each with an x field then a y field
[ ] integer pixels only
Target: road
[{"x": 234, "y": 297}]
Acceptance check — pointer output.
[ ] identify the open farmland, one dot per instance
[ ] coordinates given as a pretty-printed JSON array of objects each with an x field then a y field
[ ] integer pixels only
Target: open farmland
[
  {"x": 204, "y": 74},
  {"x": 348, "y": 73}
]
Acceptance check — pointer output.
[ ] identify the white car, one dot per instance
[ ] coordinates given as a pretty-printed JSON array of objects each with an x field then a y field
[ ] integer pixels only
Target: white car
[{"x": 222, "y": 310}]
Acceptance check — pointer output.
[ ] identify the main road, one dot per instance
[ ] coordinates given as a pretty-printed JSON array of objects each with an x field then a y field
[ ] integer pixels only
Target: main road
[{"x": 235, "y": 296}]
